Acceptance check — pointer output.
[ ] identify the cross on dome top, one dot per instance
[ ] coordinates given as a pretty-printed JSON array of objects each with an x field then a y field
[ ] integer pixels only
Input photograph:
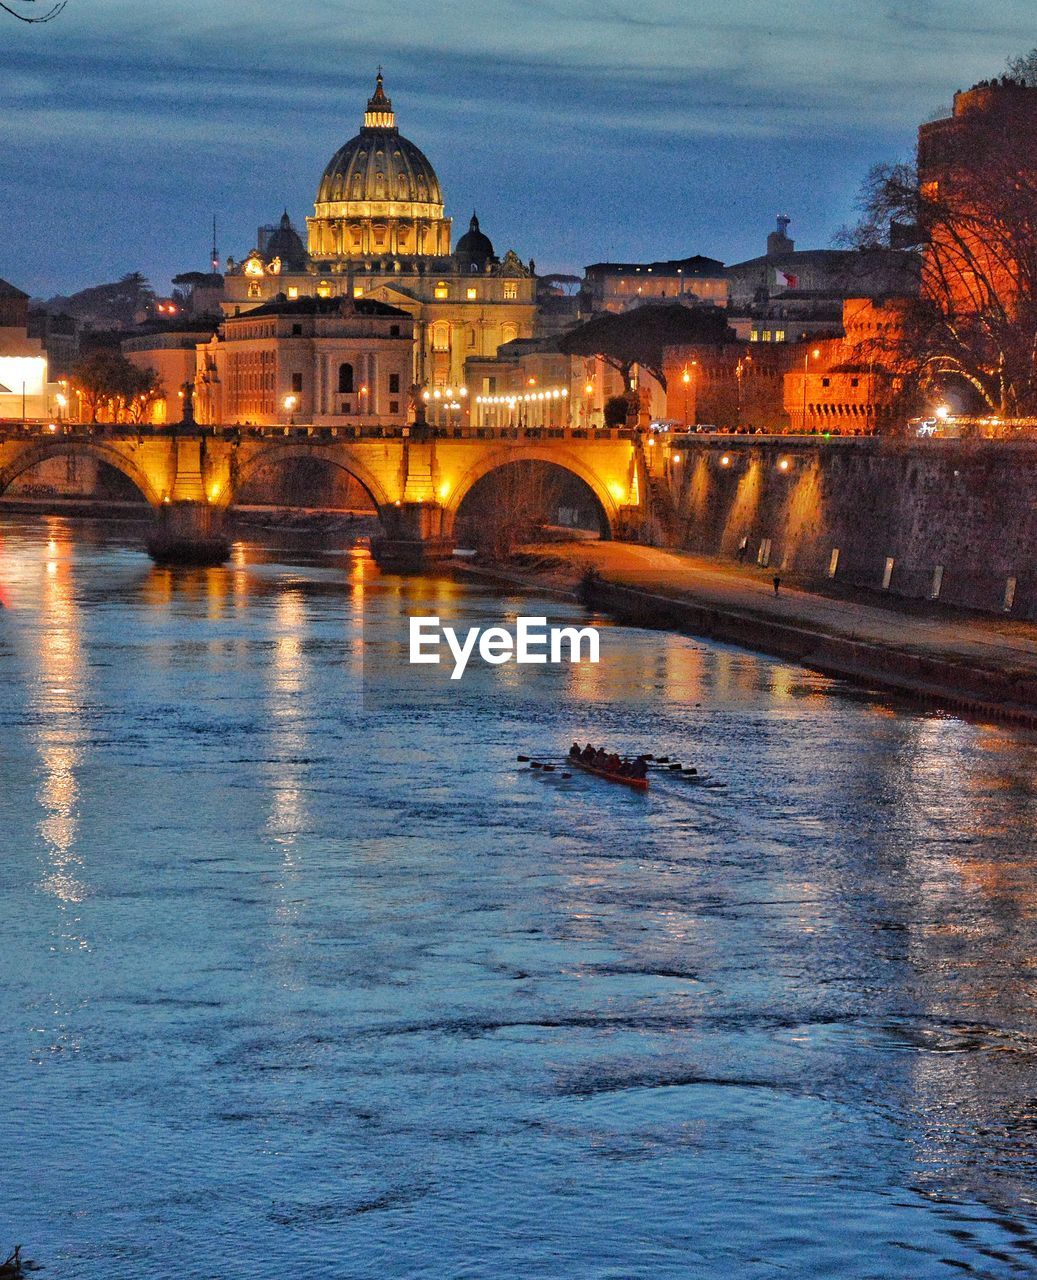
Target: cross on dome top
[{"x": 379, "y": 113}]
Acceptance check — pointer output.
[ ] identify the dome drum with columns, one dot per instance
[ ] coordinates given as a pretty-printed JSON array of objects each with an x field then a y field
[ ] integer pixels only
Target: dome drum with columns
[
  {"x": 379, "y": 231},
  {"x": 379, "y": 194}
]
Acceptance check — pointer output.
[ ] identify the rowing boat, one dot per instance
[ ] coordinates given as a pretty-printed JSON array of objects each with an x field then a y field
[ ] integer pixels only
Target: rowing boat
[{"x": 638, "y": 784}]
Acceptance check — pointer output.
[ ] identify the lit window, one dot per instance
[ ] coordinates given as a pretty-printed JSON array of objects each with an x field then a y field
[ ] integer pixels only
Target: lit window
[
  {"x": 779, "y": 335},
  {"x": 324, "y": 289},
  {"x": 293, "y": 291},
  {"x": 471, "y": 294},
  {"x": 441, "y": 291},
  {"x": 510, "y": 290},
  {"x": 358, "y": 291}
]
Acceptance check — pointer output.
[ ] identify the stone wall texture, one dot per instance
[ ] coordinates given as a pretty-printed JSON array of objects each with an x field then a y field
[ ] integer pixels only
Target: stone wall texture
[{"x": 966, "y": 507}]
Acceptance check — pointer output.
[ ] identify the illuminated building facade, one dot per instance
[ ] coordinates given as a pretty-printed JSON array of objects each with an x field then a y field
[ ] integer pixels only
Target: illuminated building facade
[
  {"x": 379, "y": 231},
  {"x": 24, "y": 389},
  {"x": 618, "y": 286},
  {"x": 323, "y": 361},
  {"x": 531, "y": 383},
  {"x": 977, "y": 167}
]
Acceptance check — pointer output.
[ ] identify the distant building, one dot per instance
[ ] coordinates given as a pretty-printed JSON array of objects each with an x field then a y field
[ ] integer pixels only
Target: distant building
[
  {"x": 379, "y": 231},
  {"x": 531, "y": 383},
  {"x": 24, "y": 389},
  {"x": 788, "y": 295},
  {"x": 59, "y": 334},
  {"x": 172, "y": 354},
  {"x": 849, "y": 385},
  {"x": 327, "y": 361},
  {"x": 618, "y": 286},
  {"x": 727, "y": 385}
]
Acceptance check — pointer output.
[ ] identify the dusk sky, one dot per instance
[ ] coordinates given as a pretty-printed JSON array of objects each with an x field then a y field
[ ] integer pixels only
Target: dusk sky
[{"x": 579, "y": 129}]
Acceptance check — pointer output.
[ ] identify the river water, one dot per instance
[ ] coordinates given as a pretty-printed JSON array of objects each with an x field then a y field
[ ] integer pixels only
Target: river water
[{"x": 304, "y": 975}]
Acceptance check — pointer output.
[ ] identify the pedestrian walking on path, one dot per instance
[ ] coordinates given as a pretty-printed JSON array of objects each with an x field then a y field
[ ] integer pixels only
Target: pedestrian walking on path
[{"x": 777, "y": 583}]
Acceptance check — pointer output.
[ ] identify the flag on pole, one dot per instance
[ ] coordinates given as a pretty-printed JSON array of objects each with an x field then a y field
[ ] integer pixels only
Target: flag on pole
[{"x": 785, "y": 279}]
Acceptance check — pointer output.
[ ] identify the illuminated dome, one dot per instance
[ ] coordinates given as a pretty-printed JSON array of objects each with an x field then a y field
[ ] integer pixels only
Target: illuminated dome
[{"x": 379, "y": 194}]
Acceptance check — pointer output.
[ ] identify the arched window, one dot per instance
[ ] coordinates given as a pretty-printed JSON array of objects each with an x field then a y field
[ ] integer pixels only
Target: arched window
[{"x": 345, "y": 379}]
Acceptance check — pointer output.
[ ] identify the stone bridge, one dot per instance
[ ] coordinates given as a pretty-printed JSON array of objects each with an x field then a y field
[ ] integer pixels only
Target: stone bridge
[{"x": 416, "y": 478}]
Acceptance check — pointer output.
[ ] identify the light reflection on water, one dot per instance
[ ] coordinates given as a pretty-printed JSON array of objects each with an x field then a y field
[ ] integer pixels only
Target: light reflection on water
[{"x": 285, "y": 978}]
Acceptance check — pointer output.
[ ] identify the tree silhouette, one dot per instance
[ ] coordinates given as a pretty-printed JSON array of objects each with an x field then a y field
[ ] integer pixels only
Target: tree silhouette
[{"x": 642, "y": 335}]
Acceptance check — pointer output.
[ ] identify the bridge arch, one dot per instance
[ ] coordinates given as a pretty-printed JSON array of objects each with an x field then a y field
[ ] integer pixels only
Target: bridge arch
[
  {"x": 272, "y": 455},
  {"x": 565, "y": 460},
  {"x": 43, "y": 450}
]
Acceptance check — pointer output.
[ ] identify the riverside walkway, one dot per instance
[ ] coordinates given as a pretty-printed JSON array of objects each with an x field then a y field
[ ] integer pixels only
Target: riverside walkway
[{"x": 975, "y": 663}]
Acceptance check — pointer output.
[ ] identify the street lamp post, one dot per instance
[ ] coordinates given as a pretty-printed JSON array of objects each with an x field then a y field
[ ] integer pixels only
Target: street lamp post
[{"x": 289, "y": 402}]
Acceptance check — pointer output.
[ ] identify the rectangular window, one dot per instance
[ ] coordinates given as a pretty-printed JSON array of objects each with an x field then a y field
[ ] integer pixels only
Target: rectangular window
[
  {"x": 394, "y": 406},
  {"x": 394, "y": 331},
  {"x": 358, "y": 291},
  {"x": 471, "y": 293},
  {"x": 510, "y": 290},
  {"x": 441, "y": 291},
  {"x": 394, "y": 382},
  {"x": 296, "y": 381},
  {"x": 779, "y": 335},
  {"x": 826, "y": 382},
  {"x": 296, "y": 330},
  {"x": 293, "y": 291}
]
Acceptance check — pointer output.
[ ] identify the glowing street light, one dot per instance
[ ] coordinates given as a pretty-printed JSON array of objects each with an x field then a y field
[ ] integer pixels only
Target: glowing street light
[{"x": 289, "y": 403}]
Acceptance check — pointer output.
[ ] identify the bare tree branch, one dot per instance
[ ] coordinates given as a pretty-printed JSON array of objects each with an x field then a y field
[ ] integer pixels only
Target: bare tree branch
[{"x": 52, "y": 12}]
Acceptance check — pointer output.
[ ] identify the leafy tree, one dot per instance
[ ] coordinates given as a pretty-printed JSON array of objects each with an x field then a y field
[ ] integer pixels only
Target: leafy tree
[
  {"x": 616, "y": 410},
  {"x": 110, "y": 383},
  {"x": 641, "y": 336}
]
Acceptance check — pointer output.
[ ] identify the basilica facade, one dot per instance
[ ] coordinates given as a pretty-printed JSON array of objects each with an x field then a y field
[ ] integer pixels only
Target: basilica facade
[{"x": 379, "y": 231}]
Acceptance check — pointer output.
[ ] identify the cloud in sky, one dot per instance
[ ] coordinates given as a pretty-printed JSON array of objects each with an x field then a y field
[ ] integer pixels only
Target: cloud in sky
[{"x": 580, "y": 129}]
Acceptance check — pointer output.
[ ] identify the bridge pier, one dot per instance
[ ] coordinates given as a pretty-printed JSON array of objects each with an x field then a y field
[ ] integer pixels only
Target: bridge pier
[
  {"x": 189, "y": 533},
  {"x": 415, "y": 536}
]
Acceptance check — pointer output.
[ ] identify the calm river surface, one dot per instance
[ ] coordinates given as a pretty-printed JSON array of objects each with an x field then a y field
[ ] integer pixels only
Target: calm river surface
[{"x": 296, "y": 984}]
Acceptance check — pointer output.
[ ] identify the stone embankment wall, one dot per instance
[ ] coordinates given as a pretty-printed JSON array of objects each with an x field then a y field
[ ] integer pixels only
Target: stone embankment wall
[{"x": 949, "y": 519}]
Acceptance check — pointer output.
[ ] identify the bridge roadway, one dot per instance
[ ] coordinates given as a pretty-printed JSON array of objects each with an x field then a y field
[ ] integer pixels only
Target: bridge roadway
[{"x": 416, "y": 477}]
